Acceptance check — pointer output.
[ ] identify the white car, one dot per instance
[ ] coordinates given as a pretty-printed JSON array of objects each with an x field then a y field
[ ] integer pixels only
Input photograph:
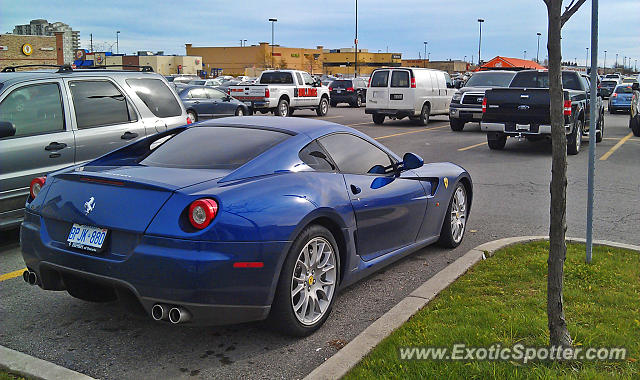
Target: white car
[
  {"x": 415, "y": 93},
  {"x": 282, "y": 92}
]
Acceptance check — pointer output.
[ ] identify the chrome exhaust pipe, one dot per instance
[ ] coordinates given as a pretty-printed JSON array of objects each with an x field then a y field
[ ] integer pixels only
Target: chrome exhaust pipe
[
  {"x": 30, "y": 277},
  {"x": 178, "y": 315},
  {"x": 159, "y": 312},
  {"x": 25, "y": 276}
]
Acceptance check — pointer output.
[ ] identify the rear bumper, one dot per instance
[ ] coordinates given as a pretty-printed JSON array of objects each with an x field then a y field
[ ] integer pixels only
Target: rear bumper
[
  {"x": 196, "y": 275},
  {"x": 390, "y": 112},
  {"x": 511, "y": 130},
  {"x": 344, "y": 97}
]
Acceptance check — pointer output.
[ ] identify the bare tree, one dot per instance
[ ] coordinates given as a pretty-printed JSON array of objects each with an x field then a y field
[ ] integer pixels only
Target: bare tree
[{"x": 558, "y": 332}]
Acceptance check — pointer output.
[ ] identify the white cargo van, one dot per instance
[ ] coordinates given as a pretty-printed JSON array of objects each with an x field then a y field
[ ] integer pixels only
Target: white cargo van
[{"x": 411, "y": 92}]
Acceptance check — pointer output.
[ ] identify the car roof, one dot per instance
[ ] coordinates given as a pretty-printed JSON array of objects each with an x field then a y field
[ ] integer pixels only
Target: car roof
[
  {"x": 311, "y": 127},
  {"x": 21, "y": 76}
]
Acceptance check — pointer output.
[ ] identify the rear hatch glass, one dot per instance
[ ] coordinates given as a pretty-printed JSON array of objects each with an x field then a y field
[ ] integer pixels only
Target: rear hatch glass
[{"x": 341, "y": 84}]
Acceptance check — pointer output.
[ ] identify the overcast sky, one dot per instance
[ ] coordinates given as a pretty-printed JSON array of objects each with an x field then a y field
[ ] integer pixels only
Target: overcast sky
[{"x": 451, "y": 28}]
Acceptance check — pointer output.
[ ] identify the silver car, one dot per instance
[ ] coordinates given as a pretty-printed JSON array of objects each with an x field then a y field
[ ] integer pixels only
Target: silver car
[{"x": 53, "y": 119}]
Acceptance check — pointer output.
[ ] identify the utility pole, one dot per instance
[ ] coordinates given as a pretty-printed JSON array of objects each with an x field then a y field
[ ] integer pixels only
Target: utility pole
[
  {"x": 425, "y": 54},
  {"x": 480, "y": 21},
  {"x": 592, "y": 128},
  {"x": 273, "y": 21},
  {"x": 538, "y": 51},
  {"x": 355, "y": 70}
]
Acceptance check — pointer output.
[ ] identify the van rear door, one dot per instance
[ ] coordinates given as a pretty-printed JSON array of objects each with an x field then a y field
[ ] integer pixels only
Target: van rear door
[
  {"x": 378, "y": 94},
  {"x": 401, "y": 95}
]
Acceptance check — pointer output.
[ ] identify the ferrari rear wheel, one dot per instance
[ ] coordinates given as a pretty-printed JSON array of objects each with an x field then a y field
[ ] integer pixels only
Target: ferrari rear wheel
[
  {"x": 455, "y": 221},
  {"x": 308, "y": 282}
]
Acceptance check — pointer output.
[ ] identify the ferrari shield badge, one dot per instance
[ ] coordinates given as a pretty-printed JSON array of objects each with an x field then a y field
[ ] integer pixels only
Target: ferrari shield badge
[{"x": 446, "y": 182}]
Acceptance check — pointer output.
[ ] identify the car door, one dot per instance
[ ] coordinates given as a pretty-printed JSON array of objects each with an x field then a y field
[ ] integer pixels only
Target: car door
[
  {"x": 309, "y": 92},
  {"x": 199, "y": 102},
  {"x": 105, "y": 118},
  {"x": 220, "y": 102},
  {"x": 434, "y": 93},
  {"x": 389, "y": 209},
  {"x": 43, "y": 141},
  {"x": 379, "y": 90},
  {"x": 401, "y": 95}
]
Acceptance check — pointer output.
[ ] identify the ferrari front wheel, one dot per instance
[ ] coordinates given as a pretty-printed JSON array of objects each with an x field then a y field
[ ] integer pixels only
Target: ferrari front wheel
[
  {"x": 455, "y": 220},
  {"x": 307, "y": 286}
]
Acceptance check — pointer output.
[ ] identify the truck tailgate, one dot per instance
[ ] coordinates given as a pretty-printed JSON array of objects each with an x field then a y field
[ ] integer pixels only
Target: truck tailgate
[
  {"x": 248, "y": 92},
  {"x": 517, "y": 105}
]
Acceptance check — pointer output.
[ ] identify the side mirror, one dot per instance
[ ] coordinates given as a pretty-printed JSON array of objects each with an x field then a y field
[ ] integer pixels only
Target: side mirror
[
  {"x": 635, "y": 86},
  {"x": 411, "y": 161},
  {"x": 7, "y": 129}
]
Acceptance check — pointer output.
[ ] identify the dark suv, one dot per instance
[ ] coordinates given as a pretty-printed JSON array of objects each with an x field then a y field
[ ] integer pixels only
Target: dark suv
[{"x": 352, "y": 91}]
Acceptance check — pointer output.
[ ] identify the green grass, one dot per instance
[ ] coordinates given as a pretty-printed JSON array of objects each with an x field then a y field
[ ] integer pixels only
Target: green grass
[
  {"x": 503, "y": 300},
  {"x": 9, "y": 376}
]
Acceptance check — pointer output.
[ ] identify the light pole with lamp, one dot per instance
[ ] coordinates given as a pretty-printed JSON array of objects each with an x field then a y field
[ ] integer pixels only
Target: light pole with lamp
[
  {"x": 538, "y": 51},
  {"x": 605, "y": 62},
  {"x": 117, "y": 45},
  {"x": 586, "y": 61},
  {"x": 525, "y": 54},
  {"x": 424, "y": 63},
  {"x": 480, "y": 21},
  {"x": 355, "y": 41},
  {"x": 273, "y": 21}
]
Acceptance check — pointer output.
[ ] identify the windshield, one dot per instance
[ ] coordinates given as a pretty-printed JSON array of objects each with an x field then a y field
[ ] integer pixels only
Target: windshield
[
  {"x": 540, "y": 79},
  {"x": 488, "y": 79},
  {"x": 225, "y": 148},
  {"x": 609, "y": 83}
]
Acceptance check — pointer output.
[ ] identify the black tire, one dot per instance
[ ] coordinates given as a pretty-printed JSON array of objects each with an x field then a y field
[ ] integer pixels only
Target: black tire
[
  {"x": 378, "y": 119},
  {"x": 574, "y": 140},
  {"x": 282, "y": 316},
  {"x": 333, "y": 104},
  {"x": 240, "y": 111},
  {"x": 323, "y": 107},
  {"x": 612, "y": 110},
  {"x": 497, "y": 142},
  {"x": 283, "y": 108},
  {"x": 446, "y": 233},
  {"x": 192, "y": 115},
  {"x": 600, "y": 129},
  {"x": 634, "y": 123},
  {"x": 291, "y": 110},
  {"x": 358, "y": 102},
  {"x": 424, "y": 115},
  {"x": 456, "y": 125}
]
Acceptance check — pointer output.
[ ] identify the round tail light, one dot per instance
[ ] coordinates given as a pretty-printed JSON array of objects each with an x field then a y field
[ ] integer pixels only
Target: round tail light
[
  {"x": 202, "y": 212},
  {"x": 36, "y": 186}
]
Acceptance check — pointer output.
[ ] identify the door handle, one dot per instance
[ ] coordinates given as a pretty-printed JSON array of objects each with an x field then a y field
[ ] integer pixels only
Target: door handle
[
  {"x": 355, "y": 189},
  {"x": 129, "y": 135},
  {"x": 196, "y": 102},
  {"x": 55, "y": 146}
]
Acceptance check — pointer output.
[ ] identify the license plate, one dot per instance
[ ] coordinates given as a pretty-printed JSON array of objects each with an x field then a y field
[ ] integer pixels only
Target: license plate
[
  {"x": 86, "y": 237},
  {"x": 523, "y": 127},
  {"x": 477, "y": 116},
  {"x": 338, "y": 91}
]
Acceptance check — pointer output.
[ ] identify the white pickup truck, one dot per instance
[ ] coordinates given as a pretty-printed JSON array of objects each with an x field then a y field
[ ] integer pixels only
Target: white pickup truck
[{"x": 282, "y": 92}]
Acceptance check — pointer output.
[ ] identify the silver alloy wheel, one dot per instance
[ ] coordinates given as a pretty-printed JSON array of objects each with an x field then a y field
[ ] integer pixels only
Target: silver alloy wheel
[
  {"x": 579, "y": 136},
  {"x": 458, "y": 214},
  {"x": 324, "y": 106},
  {"x": 284, "y": 109},
  {"x": 359, "y": 101},
  {"x": 313, "y": 281},
  {"x": 239, "y": 112}
]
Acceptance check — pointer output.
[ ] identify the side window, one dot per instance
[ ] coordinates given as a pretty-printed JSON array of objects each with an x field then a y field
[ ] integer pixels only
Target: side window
[
  {"x": 308, "y": 81},
  {"x": 98, "y": 103},
  {"x": 448, "y": 80},
  {"x": 197, "y": 93},
  {"x": 300, "y": 82},
  {"x": 34, "y": 109},
  {"x": 315, "y": 157},
  {"x": 380, "y": 78},
  {"x": 155, "y": 94},
  {"x": 400, "y": 78},
  {"x": 214, "y": 94},
  {"x": 353, "y": 154}
]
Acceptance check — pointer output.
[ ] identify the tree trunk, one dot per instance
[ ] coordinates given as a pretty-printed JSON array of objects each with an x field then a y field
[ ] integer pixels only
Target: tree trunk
[{"x": 558, "y": 332}]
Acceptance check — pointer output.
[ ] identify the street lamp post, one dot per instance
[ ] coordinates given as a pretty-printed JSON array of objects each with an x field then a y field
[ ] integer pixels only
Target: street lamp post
[
  {"x": 616, "y": 66},
  {"x": 586, "y": 61},
  {"x": 273, "y": 21},
  {"x": 525, "y": 54},
  {"x": 480, "y": 21},
  {"x": 424, "y": 62},
  {"x": 538, "y": 51},
  {"x": 605, "y": 62},
  {"x": 355, "y": 41},
  {"x": 117, "y": 45}
]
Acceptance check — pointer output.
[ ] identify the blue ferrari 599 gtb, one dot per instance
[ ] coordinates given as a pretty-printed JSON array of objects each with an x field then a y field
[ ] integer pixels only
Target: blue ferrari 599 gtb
[{"x": 238, "y": 219}]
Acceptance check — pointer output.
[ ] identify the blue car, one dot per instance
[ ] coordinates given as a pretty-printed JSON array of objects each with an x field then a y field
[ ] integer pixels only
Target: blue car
[
  {"x": 203, "y": 102},
  {"x": 620, "y": 99},
  {"x": 238, "y": 219}
]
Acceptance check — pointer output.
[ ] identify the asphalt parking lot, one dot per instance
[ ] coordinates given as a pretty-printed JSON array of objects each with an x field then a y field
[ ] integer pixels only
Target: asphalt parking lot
[{"x": 511, "y": 199}]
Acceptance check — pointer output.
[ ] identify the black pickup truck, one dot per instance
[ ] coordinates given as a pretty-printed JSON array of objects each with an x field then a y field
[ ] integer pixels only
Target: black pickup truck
[{"x": 522, "y": 109}]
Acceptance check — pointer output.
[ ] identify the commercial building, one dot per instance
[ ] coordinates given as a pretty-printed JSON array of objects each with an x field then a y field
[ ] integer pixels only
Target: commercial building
[
  {"x": 162, "y": 64},
  {"x": 251, "y": 60},
  {"x": 342, "y": 61},
  {"x": 41, "y": 27},
  {"x": 18, "y": 50},
  {"x": 451, "y": 66}
]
